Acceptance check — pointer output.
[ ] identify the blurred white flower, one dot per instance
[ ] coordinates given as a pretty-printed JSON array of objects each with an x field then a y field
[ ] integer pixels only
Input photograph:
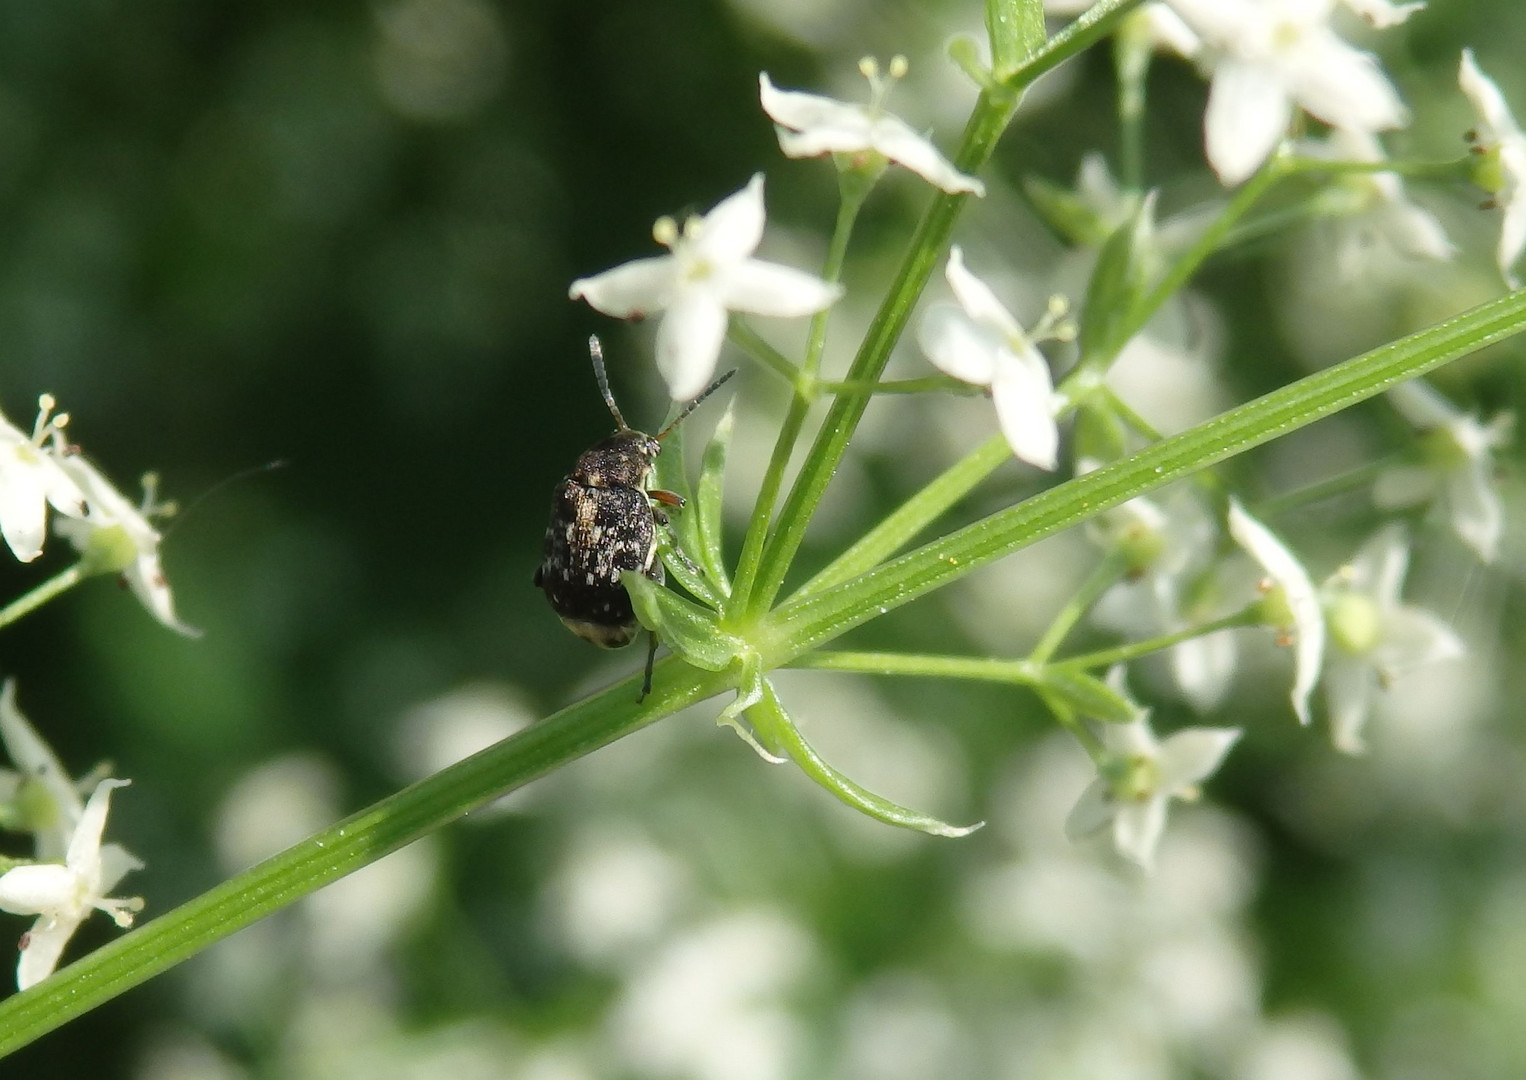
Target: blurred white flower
[
  {"x": 1169, "y": 544},
  {"x": 1459, "y": 466},
  {"x": 1268, "y": 56},
  {"x": 1139, "y": 776},
  {"x": 980, "y": 342},
  {"x": 62, "y": 896},
  {"x": 1290, "y": 603},
  {"x": 1375, "y": 639},
  {"x": 1381, "y": 221},
  {"x": 45, "y": 801},
  {"x": 810, "y": 125},
  {"x": 119, "y": 538},
  {"x": 710, "y": 273},
  {"x": 1498, "y": 140},
  {"x": 31, "y": 478}
]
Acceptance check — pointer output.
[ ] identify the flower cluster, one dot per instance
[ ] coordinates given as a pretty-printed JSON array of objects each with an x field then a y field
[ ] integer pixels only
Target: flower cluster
[{"x": 72, "y": 871}]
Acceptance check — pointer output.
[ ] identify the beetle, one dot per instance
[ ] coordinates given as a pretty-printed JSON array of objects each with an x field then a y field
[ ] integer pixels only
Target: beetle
[{"x": 603, "y": 521}]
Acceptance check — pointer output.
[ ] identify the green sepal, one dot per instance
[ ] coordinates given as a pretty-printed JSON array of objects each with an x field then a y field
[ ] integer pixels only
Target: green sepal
[
  {"x": 749, "y": 693},
  {"x": 1016, "y": 30},
  {"x": 1118, "y": 284},
  {"x": 964, "y": 51},
  {"x": 774, "y": 727},
  {"x": 708, "y": 497},
  {"x": 692, "y": 632},
  {"x": 1087, "y": 695}
]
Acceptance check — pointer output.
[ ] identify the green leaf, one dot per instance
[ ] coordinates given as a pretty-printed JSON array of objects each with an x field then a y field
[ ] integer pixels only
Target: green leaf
[
  {"x": 709, "y": 547},
  {"x": 1088, "y": 695},
  {"x": 775, "y": 727},
  {"x": 1067, "y": 213},
  {"x": 1117, "y": 285},
  {"x": 689, "y": 630},
  {"x": 669, "y": 474}
]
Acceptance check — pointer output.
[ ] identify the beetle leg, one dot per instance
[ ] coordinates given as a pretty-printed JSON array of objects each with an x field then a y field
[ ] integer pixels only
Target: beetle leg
[{"x": 651, "y": 657}]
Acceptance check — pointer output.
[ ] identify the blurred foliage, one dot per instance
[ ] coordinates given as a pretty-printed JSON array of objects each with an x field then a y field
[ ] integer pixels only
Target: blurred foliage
[{"x": 339, "y": 237}]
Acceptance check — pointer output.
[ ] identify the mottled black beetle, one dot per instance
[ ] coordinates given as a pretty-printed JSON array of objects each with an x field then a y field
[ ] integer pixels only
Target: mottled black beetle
[{"x": 603, "y": 522}]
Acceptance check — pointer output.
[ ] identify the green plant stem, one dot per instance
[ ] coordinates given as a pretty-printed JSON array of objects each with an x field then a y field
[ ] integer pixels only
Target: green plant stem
[
  {"x": 806, "y": 391},
  {"x": 340, "y": 849},
  {"x": 32, "y": 600},
  {"x": 929, "y": 384},
  {"x": 1328, "y": 488},
  {"x": 786, "y": 635},
  {"x": 749, "y": 341},
  {"x": 1122, "y": 654},
  {"x": 912, "y": 516},
  {"x": 985, "y": 669}
]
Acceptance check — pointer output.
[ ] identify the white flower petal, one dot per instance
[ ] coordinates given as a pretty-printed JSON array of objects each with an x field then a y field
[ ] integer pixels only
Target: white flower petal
[
  {"x": 1192, "y": 755},
  {"x": 1349, "y": 684},
  {"x": 1024, "y": 399},
  {"x": 689, "y": 343},
  {"x": 1384, "y": 14},
  {"x": 1203, "y": 667},
  {"x": 1404, "y": 485},
  {"x": 147, "y": 581},
  {"x": 801, "y": 111},
  {"x": 1137, "y": 829},
  {"x": 956, "y": 346},
  {"x": 1248, "y": 113},
  {"x": 731, "y": 231},
  {"x": 1092, "y": 812},
  {"x": 764, "y": 288},
  {"x": 1344, "y": 86},
  {"x": 36, "y": 888},
  {"x": 631, "y": 290},
  {"x": 84, "y": 855},
  {"x": 1483, "y": 93},
  {"x": 1512, "y": 236},
  {"x": 44, "y": 945},
  {"x": 116, "y": 863},
  {"x": 36, "y": 759},
  {"x": 1422, "y": 405},
  {"x": 977, "y": 299},
  {"x": 1308, "y": 629},
  {"x": 1413, "y": 638},
  {"x": 894, "y": 138},
  {"x": 1379, "y": 566},
  {"x": 1476, "y": 513}
]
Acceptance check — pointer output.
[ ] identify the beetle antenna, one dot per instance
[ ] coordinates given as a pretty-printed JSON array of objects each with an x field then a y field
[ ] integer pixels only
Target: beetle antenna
[
  {"x": 596, "y": 354},
  {"x": 712, "y": 388}
]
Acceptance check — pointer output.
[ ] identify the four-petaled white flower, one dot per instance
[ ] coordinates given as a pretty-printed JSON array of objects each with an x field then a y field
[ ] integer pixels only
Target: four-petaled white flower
[
  {"x": 1374, "y": 639},
  {"x": 41, "y": 797},
  {"x": 31, "y": 478},
  {"x": 1502, "y": 168},
  {"x": 63, "y": 896},
  {"x": 118, "y": 538},
  {"x": 1458, "y": 469},
  {"x": 1138, "y": 776},
  {"x": 810, "y": 125},
  {"x": 710, "y": 273},
  {"x": 1268, "y": 56},
  {"x": 979, "y": 342},
  {"x": 1290, "y": 603}
]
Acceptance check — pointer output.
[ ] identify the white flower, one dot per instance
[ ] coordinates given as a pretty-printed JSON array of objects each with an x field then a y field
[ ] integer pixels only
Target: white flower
[
  {"x": 810, "y": 125},
  {"x": 118, "y": 536},
  {"x": 1375, "y": 639},
  {"x": 62, "y": 896},
  {"x": 1459, "y": 468},
  {"x": 1384, "y": 13},
  {"x": 710, "y": 272},
  {"x": 1268, "y": 56},
  {"x": 1139, "y": 776},
  {"x": 47, "y": 803},
  {"x": 1502, "y": 170},
  {"x": 1290, "y": 604},
  {"x": 1382, "y": 221},
  {"x": 1168, "y": 545},
  {"x": 31, "y": 478},
  {"x": 980, "y": 342}
]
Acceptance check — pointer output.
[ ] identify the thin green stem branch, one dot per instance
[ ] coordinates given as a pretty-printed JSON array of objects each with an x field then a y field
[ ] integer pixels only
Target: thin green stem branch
[
  {"x": 985, "y": 669},
  {"x": 1104, "y": 576},
  {"x": 1122, "y": 654},
  {"x": 1327, "y": 488},
  {"x": 32, "y": 600},
  {"x": 749, "y": 341}
]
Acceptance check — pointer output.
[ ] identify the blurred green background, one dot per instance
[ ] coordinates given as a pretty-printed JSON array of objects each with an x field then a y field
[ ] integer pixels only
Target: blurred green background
[{"x": 340, "y": 236}]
